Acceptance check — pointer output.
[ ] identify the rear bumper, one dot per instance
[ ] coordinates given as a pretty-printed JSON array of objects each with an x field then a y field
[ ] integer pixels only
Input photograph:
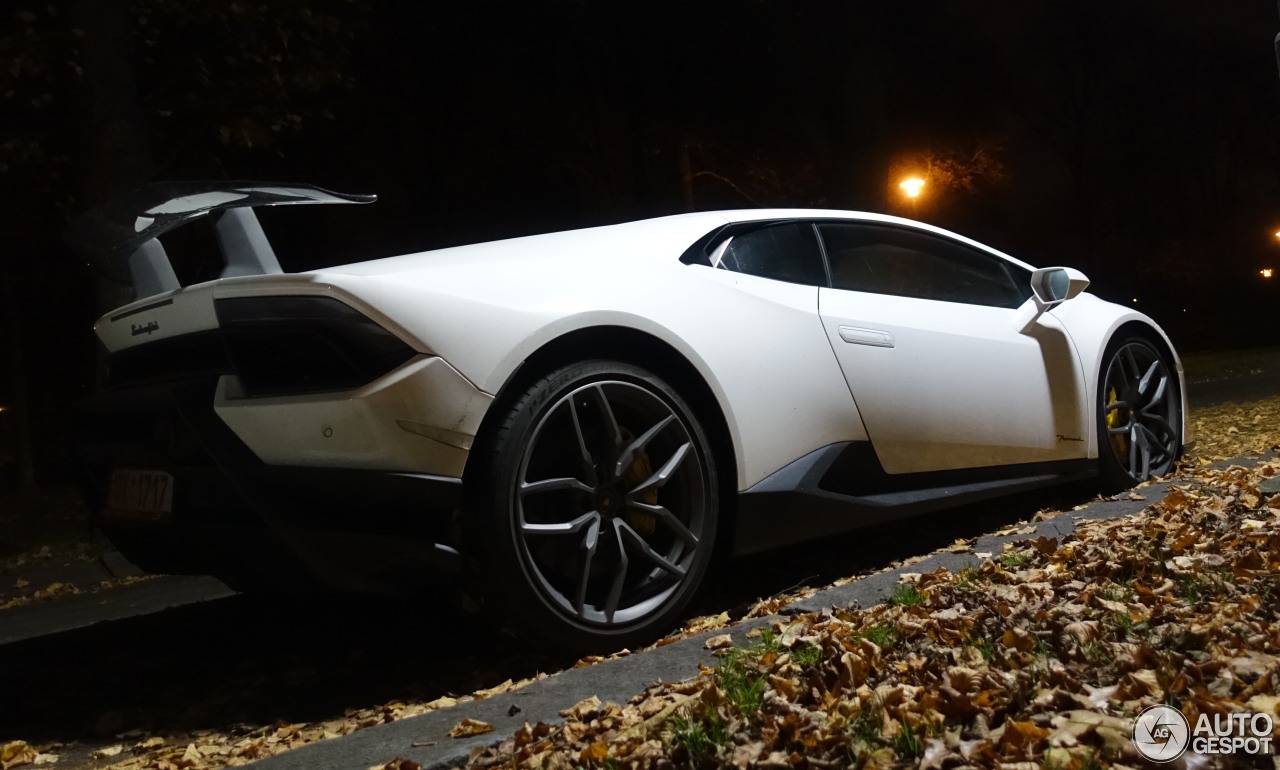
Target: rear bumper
[{"x": 249, "y": 523}]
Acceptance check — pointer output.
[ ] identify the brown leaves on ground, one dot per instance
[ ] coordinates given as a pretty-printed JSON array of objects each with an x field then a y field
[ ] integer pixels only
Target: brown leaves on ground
[{"x": 1042, "y": 665}]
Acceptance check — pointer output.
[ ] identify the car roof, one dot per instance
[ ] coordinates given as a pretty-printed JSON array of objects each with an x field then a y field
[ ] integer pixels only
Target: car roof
[{"x": 654, "y": 238}]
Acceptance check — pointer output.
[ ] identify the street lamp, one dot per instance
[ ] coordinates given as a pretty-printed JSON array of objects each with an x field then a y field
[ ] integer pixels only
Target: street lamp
[
  {"x": 1266, "y": 272},
  {"x": 911, "y": 186}
]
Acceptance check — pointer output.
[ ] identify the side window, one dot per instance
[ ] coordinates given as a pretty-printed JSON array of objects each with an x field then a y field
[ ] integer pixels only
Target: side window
[
  {"x": 787, "y": 252},
  {"x": 892, "y": 260}
]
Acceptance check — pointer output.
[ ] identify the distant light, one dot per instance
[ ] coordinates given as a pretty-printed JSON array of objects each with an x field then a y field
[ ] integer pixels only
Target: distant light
[
  {"x": 1266, "y": 272},
  {"x": 1135, "y": 299},
  {"x": 3, "y": 409},
  {"x": 1278, "y": 233},
  {"x": 912, "y": 185}
]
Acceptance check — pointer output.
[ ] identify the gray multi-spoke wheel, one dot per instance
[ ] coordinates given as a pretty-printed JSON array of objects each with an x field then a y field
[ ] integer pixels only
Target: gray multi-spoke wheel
[
  {"x": 599, "y": 519},
  {"x": 1139, "y": 414}
]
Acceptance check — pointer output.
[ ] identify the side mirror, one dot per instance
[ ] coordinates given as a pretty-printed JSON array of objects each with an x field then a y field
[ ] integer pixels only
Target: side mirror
[{"x": 1050, "y": 287}]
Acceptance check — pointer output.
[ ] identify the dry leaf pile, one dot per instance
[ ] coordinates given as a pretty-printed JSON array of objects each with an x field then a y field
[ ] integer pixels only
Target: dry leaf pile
[{"x": 1037, "y": 658}]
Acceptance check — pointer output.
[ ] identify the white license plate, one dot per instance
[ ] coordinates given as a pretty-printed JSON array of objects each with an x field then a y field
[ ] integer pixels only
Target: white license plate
[{"x": 140, "y": 494}]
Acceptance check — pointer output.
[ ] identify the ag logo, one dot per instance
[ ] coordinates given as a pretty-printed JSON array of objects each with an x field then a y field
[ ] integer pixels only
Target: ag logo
[{"x": 1161, "y": 733}]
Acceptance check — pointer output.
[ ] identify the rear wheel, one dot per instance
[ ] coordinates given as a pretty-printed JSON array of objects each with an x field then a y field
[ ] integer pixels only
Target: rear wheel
[
  {"x": 1139, "y": 414},
  {"x": 596, "y": 516}
]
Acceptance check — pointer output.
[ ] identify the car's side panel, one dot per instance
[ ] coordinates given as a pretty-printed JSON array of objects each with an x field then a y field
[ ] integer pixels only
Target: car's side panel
[
  {"x": 952, "y": 385},
  {"x": 757, "y": 343}
]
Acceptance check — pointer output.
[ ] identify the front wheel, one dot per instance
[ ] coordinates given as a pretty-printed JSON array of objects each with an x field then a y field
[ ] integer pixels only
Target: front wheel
[
  {"x": 1139, "y": 414},
  {"x": 596, "y": 513}
]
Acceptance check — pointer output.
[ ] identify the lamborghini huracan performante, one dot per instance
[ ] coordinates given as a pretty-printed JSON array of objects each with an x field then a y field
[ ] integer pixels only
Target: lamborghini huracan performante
[{"x": 571, "y": 426}]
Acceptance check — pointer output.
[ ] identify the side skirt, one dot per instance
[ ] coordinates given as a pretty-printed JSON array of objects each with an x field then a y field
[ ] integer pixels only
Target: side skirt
[{"x": 842, "y": 487}]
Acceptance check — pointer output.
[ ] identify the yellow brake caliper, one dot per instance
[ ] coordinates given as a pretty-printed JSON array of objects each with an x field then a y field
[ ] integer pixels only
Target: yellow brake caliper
[
  {"x": 640, "y": 470},
  {"x": 1118, "y": 440}
]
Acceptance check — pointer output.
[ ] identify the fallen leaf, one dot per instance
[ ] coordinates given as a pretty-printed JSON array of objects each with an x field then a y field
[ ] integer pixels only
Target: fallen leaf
[
  {"x": 16, "y": 753},
  {"x": 719, "y": 642},
  {"x": 108, "y": 751},
  {"x": 582, "y": 709},
  {"x": 469, "y": 727}
]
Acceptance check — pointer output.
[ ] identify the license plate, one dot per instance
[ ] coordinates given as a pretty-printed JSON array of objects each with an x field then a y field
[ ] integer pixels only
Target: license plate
[{"x": 137, "y": 494}]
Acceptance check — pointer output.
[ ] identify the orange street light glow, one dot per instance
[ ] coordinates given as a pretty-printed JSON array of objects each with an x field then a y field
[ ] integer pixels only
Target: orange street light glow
[
  {"x": 1266, "y": 272},
  {"x": 912, "y": 188}
]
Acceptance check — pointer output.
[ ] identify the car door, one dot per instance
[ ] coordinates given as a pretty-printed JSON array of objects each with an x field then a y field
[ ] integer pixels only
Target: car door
[{"x": 923, "y": 327}]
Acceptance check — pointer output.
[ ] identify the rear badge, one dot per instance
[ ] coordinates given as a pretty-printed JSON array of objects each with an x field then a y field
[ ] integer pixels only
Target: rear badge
[{"x": 147, "y": 328}]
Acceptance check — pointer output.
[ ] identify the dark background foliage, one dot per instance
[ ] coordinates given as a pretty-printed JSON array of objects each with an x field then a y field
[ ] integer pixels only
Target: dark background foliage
[{"x": 1132, "y": 139}]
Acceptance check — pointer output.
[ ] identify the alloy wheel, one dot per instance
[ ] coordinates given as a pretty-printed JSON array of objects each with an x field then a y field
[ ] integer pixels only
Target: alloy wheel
[
  {"x": 611, "y": 504},
  {"x": 1140, "y": 411}
]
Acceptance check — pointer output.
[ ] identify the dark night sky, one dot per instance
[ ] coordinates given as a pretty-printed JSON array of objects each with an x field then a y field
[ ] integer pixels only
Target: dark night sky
[
  {"x": 1135, "y": 140},
  {"x": 1137, "y": 143}
]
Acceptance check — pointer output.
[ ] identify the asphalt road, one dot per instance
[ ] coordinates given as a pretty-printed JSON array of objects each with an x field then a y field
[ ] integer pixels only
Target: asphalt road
[
  {"x": 1249, "y": 387},
  {"x": 185, "y": 654}
]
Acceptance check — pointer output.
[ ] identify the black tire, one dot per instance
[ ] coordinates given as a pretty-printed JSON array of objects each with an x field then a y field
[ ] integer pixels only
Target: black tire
[
  {"x": 594, "y": 516},
  {"x": 1139, "y": 413}
]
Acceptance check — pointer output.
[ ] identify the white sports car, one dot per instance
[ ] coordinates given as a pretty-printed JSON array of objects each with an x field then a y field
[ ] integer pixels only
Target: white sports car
[{"x": 576, "y": 423}]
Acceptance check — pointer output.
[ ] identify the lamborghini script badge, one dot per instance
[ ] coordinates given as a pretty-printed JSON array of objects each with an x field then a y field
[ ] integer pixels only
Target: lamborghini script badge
[{"x": 147, "y": 328}]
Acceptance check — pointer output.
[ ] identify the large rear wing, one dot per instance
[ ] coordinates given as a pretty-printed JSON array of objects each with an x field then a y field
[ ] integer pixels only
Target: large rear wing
[{"x": 120, "y": 239}]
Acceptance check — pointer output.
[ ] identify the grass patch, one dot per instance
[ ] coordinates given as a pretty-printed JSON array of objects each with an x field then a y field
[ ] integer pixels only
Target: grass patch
[
  {"x": 881, "y": 635},
  {"x": 866, "y": 726},
  {"x": 768, "y": 642},
  {"x": 986, "y": 648},
  {"x": 865, "y": 733},
  {"x": 702, "y": 735},
  {"x": 1014, "y": 559},
  {"x": 905, "y": 743},
  {"x": 906, "y": 595},
  {"x": 740, "y": 681},
  {"x": 966, "y": 578},
  {"x": 1198, "y": 587},
  {"x": 806, "y": 655}
]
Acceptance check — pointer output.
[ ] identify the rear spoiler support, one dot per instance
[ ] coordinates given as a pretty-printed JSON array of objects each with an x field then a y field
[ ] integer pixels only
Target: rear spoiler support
[{"x": 120, "y": 239}]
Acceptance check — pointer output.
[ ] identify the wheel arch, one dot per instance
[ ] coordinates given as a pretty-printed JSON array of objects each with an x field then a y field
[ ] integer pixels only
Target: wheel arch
[{"x": 640, "y": 348}]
